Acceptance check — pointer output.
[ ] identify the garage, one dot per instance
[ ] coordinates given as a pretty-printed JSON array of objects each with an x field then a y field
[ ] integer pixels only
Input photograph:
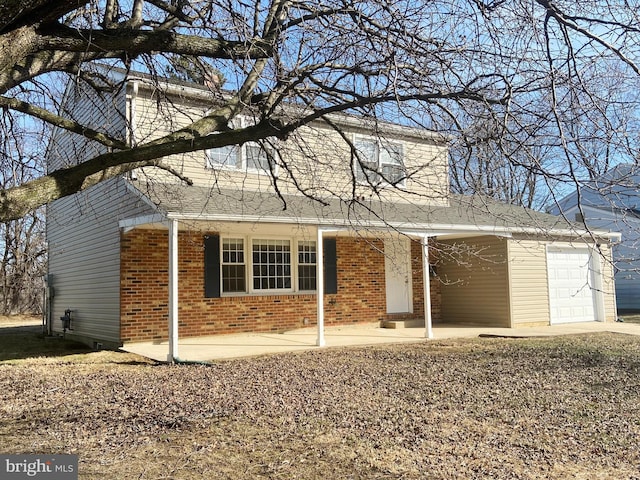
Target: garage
[{"x": 571, "y": 282}]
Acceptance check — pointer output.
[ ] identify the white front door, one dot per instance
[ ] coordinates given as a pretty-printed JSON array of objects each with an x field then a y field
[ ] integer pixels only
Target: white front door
[
  {"x": 571, "y": 293},
  {"x": 397, "y": 265}
]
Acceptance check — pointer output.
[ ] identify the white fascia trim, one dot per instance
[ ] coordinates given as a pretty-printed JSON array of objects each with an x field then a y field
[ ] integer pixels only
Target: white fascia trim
[
  {"x": 129, "y": 223},
  {"x": 415, "y": 228},
  {"x": 172, "y": 88}
]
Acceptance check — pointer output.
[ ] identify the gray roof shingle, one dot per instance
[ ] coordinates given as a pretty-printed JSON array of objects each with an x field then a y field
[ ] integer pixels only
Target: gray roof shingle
[{"x": 465, "y": 213}]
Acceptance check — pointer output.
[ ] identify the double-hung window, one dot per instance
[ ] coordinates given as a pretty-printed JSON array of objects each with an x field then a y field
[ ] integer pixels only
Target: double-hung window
[
  {"x": 236, "y": 265},
  {"x": 251, "y": 156},
  {"x": 233, "y": 265},
  {"x": 228, "y": 156},
  {"x": 257, "y": 157},
  {"x": 379, "y": 162},
  {"x": 273, "y": 264},
  {"x": 307, "y": 265}
]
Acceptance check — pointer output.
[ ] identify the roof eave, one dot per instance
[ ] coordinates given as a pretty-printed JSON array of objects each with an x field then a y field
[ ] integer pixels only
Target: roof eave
[{"x": 418, "y": 228}]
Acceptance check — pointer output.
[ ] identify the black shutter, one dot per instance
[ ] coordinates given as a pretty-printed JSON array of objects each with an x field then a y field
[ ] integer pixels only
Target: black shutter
[
  {"x": 211, "y": 266},
  {"x": 330, "y": 265}
]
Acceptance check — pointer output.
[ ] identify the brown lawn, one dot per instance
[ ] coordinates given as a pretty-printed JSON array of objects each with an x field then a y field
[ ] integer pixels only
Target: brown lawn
[{"x": 565, "y": 407}]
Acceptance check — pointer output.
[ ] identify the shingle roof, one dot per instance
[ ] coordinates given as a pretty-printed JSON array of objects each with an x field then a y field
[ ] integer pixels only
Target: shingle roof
[{"x": 465, "y": 213}]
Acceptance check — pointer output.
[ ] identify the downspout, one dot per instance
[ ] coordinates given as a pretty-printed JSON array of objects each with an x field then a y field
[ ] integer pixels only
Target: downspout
[
  {"x": 426, "y": 285},
  {"x": 320, "y": 288},
  {"x": 173, "y": 291}
]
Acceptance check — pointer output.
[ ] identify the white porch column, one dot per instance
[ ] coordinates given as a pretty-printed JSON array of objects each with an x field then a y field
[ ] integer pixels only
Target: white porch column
[
  {"x": 320, "y": 288},
  {"x": 598, "y": 282},
  {"x": 173, "y": 290},
  {"x": 426, "y": 287}
]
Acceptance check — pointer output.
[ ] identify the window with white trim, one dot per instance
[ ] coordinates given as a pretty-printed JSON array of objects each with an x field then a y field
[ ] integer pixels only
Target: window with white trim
[
  {"x": 251, "y": 156},
  {"x": 271, "y": 266},
  {"x": 224, "y": 156},
  {"x": 307, "y": 265},
  {"x": 233, "y": 265},
  {"x": 257, "y": 157},
  {"x": 379, "y": 162},
  {"x": 271, "y": 261}
]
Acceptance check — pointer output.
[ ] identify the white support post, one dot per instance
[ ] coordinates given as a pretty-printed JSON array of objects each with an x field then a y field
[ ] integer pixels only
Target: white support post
[
  {"x": 320, "y": 288},
  {"x": 173, "y": 290},
  {"x": 426, "y": 287},
  {"x": 598, "y": 282}
]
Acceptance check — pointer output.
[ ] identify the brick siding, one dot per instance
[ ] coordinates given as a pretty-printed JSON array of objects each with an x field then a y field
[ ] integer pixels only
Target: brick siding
[{"x": 144, "y": 291}]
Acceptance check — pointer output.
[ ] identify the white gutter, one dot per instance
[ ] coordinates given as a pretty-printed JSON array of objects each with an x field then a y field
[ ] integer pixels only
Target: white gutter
[{"x": 447, "y": 229}]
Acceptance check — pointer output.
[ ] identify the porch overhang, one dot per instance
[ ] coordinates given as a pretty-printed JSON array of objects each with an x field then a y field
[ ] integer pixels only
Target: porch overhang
[{"x": 181, "y": 209}]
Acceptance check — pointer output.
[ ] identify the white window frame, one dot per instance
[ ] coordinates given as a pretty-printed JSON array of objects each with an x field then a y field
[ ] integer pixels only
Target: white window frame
[
  {"x": 224, "y": 263},
  {"x": 241, "y": 154},
  {"x": 375, "y": 177},
  {"x": 313, "y": 265},
  {"x": 269, "y": 275},
  {"x": 294, "y": 263}
]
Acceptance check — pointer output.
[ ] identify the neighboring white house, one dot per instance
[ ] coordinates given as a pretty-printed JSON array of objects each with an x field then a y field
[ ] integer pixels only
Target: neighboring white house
[{"x": 612, "y": 202}]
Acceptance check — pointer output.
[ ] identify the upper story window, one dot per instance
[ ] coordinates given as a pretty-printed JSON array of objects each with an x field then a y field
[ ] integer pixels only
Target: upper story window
[
  {"x": 250, "y": 156},
  {"x": 379, "y": 162},
  {"x": 224, "y": 156}
]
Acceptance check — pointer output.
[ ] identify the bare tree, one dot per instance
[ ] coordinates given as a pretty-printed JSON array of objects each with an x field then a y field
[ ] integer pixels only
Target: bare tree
[
  {"x": 22, "y": 243},
  {"x": 22, "y": 265},
  {"x": 440, "y": 64}
]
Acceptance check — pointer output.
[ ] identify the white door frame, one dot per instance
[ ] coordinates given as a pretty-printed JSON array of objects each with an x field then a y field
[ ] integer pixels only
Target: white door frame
[{"x": 399, "y": 291}]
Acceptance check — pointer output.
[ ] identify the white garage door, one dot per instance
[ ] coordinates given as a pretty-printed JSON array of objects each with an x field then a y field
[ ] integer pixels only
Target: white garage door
[{"x": 571, "y": 297}]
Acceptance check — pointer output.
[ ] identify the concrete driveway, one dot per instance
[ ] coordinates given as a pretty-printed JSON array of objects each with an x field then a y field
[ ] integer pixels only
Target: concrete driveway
[{"x": 220, "y": 347}]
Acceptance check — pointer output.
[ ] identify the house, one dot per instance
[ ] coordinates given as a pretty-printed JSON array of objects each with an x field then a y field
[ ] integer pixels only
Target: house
[
  {"x": 611, "y": 202},
  {"x": 147, "y": 257}
]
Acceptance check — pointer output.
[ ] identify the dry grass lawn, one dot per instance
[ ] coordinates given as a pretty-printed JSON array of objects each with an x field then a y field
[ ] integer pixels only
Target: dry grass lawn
[{"x": 564, "y": 407}]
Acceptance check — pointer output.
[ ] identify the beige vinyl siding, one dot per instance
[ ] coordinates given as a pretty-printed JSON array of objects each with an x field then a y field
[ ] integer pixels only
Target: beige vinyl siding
[
  {"x": 608, "y": 284},
  {"x": 106, "y": 114},
  {"x": 475, "y": 289},
  {"x": 84, "y": 258},
  {"x": 529, "y": 282},
  {"x": 318, "y": 156}
]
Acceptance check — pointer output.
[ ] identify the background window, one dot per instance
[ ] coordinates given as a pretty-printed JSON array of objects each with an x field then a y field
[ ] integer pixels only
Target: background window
[
  {"x": 257, "y": 157},
  {"x": 224, "y": 156},
  {"x": 233, "y": 265},
  {"x": 379, "y": 162},
  {"x": 306, "y": 265},
  {"x": 271, "y": 264},
  {"x": 367, "y": 161},
  {"x": 391, "y": 164}
]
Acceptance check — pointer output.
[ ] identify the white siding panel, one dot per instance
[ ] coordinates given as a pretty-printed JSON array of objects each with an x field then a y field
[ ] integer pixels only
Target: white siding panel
[{"x": 84, "y": 257}]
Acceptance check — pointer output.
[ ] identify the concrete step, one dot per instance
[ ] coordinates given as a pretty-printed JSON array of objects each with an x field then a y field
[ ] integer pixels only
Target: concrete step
[{"x": 402, "y": 323}]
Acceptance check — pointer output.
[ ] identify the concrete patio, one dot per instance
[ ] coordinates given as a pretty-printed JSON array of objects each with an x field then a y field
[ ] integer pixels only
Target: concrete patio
[{"x": 221, "y": 347}]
